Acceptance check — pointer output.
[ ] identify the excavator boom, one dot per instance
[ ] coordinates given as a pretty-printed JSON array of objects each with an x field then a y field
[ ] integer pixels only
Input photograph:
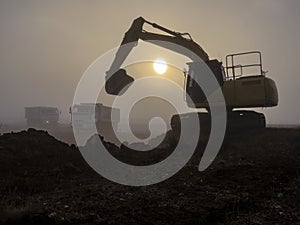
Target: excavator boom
[{"x": 117, "y": 79}]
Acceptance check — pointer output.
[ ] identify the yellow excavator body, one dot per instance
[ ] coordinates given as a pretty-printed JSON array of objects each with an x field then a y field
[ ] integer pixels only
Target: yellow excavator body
[{"x": 240, "y": 89}]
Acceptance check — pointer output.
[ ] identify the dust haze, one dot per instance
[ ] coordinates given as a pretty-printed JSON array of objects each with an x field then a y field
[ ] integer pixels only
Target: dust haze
[{"x": 47, "y": 45}]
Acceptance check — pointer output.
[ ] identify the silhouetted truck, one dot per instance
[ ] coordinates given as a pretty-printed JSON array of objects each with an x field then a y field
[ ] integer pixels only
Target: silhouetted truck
[
  {"x": 86, "y": 115},
  {"x": 41, "y": 116}
]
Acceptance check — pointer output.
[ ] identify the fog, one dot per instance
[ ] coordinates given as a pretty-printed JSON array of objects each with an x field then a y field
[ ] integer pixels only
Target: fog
[{"x": 45, "y": 46}]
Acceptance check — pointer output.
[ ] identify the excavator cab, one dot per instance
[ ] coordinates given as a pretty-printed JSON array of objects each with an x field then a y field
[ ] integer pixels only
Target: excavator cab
[{"x": 197, "y": 97}]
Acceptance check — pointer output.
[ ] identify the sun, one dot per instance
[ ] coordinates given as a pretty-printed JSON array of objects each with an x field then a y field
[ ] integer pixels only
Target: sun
[{"x": 160, "y": 66}]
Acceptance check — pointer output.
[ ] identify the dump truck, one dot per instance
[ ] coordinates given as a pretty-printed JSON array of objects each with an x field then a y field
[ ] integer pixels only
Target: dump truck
[
  {"x": 41, "y": 116},
  {"x": 86, "y": 115}
]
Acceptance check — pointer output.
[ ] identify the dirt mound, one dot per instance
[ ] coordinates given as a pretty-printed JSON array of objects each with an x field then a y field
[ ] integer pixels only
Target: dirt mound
[
  {"x": 35, "y": 151},
  {"x": 254, "y": 180}
]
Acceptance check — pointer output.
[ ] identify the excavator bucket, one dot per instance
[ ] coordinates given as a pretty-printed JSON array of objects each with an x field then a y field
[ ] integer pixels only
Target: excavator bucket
[{"x": 118, "y": 83}]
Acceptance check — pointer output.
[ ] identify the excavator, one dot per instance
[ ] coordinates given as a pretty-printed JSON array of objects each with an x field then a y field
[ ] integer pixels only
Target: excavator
[{"x": 240, "y": 91}]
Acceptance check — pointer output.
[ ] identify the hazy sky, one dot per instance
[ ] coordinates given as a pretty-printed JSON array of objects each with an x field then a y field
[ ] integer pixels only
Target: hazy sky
[{"x": 45, "y": 46}]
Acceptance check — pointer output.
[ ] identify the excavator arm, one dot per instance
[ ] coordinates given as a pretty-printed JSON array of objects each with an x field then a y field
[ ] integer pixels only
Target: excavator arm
[{"x": 117, "y": 80}]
